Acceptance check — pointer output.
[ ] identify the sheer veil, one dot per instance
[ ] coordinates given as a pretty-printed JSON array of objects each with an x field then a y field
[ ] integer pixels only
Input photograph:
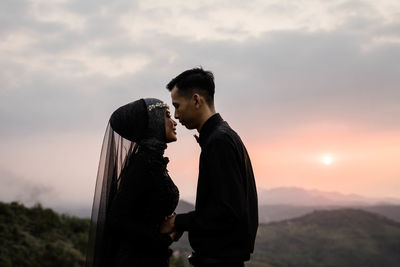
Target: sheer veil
[
  {"x": 115, "y": 154},
  {"x": 141, "y": 121}
]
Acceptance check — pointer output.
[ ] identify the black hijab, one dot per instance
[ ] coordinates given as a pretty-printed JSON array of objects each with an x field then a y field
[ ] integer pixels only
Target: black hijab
[{"x": 137, "y": 124}]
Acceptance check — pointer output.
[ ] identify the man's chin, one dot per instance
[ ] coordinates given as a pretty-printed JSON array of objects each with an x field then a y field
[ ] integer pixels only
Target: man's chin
[{"x": 189, "y": 127}]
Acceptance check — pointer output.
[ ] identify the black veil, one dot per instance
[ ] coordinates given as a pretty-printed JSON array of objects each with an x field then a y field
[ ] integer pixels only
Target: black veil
[
  {"x": 115, "y": 152},
  {"x": 127, "y": 128}
]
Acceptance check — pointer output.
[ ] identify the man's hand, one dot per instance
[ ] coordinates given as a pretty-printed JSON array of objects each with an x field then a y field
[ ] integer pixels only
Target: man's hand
[{"x": 168, "y": 225}]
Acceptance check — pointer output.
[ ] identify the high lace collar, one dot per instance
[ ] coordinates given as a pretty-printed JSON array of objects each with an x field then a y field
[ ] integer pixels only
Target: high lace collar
[{"x": 154, "y": 154}]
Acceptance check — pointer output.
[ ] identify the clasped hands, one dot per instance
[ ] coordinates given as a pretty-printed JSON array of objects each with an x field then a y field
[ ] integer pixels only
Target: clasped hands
[{"x": 168, "y": 227}]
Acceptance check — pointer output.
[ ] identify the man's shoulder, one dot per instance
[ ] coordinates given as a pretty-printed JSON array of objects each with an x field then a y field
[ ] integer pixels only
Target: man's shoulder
[{"x": 223, "y": 134}]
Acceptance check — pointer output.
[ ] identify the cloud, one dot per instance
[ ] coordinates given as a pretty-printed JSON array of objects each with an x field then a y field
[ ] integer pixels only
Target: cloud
[
  {"x": 82, "y": 49},
  {"x": 17, "y": 188},
  {"x": 279, "y": 65}
]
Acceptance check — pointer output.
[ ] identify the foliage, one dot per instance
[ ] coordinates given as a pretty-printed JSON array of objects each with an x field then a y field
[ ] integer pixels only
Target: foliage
[
  {"x": 345, "y": 237},
  {"x": 40, "y": 237},
  {"x": 37, "y": 236}
]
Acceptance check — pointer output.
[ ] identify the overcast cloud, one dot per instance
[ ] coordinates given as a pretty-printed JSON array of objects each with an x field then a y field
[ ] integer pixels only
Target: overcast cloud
[{"x": 279, "y": 65}]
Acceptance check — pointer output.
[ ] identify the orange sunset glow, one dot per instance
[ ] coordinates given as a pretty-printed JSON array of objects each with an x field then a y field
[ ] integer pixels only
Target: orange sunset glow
[
  {"x": 345, "y": 160},
  {"x": 356, "y": 163}
]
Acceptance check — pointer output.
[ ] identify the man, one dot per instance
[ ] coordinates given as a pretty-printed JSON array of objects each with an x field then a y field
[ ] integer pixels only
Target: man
[{"x": 223, "y": 226}]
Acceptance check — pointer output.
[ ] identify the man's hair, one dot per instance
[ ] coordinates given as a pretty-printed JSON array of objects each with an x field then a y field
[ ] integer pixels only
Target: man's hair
[{"x": 193, "y": 81}]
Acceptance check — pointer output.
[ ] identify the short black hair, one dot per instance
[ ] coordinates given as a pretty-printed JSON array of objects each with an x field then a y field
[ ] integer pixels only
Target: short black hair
[{"x": 195, "y": 80}]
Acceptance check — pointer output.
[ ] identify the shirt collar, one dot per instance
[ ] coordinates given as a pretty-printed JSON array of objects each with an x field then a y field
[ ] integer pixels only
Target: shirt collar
[{"x": 208, "y": 127}]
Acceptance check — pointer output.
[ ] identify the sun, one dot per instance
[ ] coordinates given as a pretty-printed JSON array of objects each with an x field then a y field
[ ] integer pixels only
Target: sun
[{"x": 327, "y": 159}]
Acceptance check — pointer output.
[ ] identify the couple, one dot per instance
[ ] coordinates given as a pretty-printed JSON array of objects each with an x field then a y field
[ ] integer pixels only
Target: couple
[{"x": 133, "y": 219}]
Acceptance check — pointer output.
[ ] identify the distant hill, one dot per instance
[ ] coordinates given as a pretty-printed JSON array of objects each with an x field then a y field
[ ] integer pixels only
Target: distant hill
[
  {"x": 336, "y": 238},
  {"x": 284, "y": 203},
  {"x": 81, "y": 211},
  {"x": 274, "y": 213},
  {"x": 296, "y": 196},
  {"x": 344, "y": 237},
  {"x": 85, "y": 211},
  {"x": 390, "y": 211},
  {"x": 279, "y": 212}
]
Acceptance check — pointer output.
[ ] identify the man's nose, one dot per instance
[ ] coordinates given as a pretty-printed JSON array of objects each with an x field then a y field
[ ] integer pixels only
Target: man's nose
[{"x": 176, "y": 115}]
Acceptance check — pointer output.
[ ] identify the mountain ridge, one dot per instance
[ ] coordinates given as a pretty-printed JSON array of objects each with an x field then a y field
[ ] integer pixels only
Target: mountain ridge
[
  {"x": 313, "y": 197},
  {"x": 285, "y": 202},
  {"x": 343, "y": 237}
]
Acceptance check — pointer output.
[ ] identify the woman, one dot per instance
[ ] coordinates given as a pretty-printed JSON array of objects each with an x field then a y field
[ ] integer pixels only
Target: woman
[{"x": 134, "y": 192}]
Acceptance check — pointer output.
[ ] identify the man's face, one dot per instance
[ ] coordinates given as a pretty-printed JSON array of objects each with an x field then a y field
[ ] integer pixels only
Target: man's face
[{"x": 185, "y": 110}]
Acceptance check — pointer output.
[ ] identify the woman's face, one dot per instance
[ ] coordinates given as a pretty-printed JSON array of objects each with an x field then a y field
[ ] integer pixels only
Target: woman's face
[{"x": 170, "y": 126}]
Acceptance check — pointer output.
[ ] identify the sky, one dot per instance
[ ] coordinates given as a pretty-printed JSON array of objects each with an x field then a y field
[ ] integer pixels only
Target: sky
[{"x": 311, "y": 86}]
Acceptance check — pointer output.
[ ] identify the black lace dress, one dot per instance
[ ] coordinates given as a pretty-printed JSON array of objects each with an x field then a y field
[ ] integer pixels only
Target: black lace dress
[{"x": 146, "y": 195}]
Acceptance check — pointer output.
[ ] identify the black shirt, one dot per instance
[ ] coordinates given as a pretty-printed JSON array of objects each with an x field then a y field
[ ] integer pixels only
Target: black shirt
[{"x": 225, "y": 220}]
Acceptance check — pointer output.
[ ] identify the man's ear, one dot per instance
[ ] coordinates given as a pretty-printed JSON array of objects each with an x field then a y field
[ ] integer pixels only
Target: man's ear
[{"x": 197, "y": 100}]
